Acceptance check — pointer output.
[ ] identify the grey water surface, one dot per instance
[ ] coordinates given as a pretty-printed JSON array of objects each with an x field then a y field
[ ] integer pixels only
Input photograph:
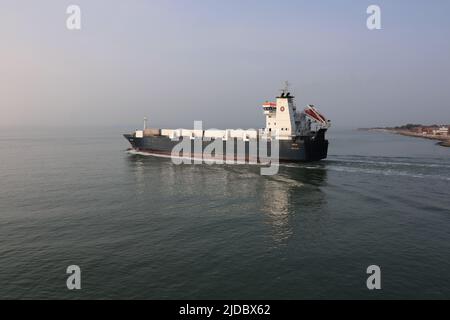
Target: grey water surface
[{"x": 143, "y": 227}]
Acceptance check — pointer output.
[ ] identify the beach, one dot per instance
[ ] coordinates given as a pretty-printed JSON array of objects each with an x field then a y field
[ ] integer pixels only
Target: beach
[{"x": 442, "y": 140}]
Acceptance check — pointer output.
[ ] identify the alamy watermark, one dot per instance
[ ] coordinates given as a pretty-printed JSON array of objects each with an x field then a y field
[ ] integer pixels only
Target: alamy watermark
[
  {"x": 73, "y": 282},
  {"x": 374, "y": 20},
  {"x": 214, "y": 146},
  {"x": 374, "y": 280},
  {"x": 73, "y": 21}
]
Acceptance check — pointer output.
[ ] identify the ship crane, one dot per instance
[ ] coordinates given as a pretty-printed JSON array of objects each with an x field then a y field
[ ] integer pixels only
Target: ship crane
[{"x": 315, "y": 116}]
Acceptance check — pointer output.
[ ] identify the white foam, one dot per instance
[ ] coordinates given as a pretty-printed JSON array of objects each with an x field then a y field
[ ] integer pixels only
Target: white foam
[
  {"x": 389, "y": 163},
  {"x": 384, "y": 172},
  {"x": 205, "y": 160},
  {"x": 326, "y": 166},
  {"x": 289, "y": 181}
]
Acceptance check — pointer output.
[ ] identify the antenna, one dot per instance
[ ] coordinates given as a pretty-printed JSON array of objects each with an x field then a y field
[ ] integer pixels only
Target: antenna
[{"x": 285, "y": 90}]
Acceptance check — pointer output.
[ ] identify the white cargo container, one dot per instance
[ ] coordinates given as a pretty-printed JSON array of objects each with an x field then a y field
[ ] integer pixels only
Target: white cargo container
[
  {"x": 216, "y": 134},
  {"x": 139, "y": 134}
]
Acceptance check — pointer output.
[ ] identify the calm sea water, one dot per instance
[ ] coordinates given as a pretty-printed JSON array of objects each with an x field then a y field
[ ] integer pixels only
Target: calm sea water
[{"x": 142, "y": 227}]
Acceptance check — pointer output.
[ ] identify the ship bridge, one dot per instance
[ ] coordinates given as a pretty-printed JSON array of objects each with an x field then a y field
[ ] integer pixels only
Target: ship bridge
[{"x": 269, "y": 107}]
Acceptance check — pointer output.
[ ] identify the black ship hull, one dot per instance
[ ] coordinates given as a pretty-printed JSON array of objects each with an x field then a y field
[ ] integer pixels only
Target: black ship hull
[{"x": 303, "y": 149}]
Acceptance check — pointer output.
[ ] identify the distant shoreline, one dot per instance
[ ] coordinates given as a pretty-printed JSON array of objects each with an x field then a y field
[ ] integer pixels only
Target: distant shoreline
[{"x": 442, "y": 140}]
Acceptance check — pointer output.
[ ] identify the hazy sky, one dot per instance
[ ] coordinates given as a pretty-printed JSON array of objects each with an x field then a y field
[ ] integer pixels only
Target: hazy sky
[{"x": 217, "y": 61}]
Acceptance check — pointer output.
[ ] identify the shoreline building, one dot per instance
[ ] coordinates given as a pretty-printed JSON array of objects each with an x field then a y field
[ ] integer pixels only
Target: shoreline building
[{"x": 442, "y": 131}]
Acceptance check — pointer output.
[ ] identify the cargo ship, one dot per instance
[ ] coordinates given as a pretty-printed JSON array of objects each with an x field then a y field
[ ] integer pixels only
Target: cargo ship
[{"x": 289, "y": 134}]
